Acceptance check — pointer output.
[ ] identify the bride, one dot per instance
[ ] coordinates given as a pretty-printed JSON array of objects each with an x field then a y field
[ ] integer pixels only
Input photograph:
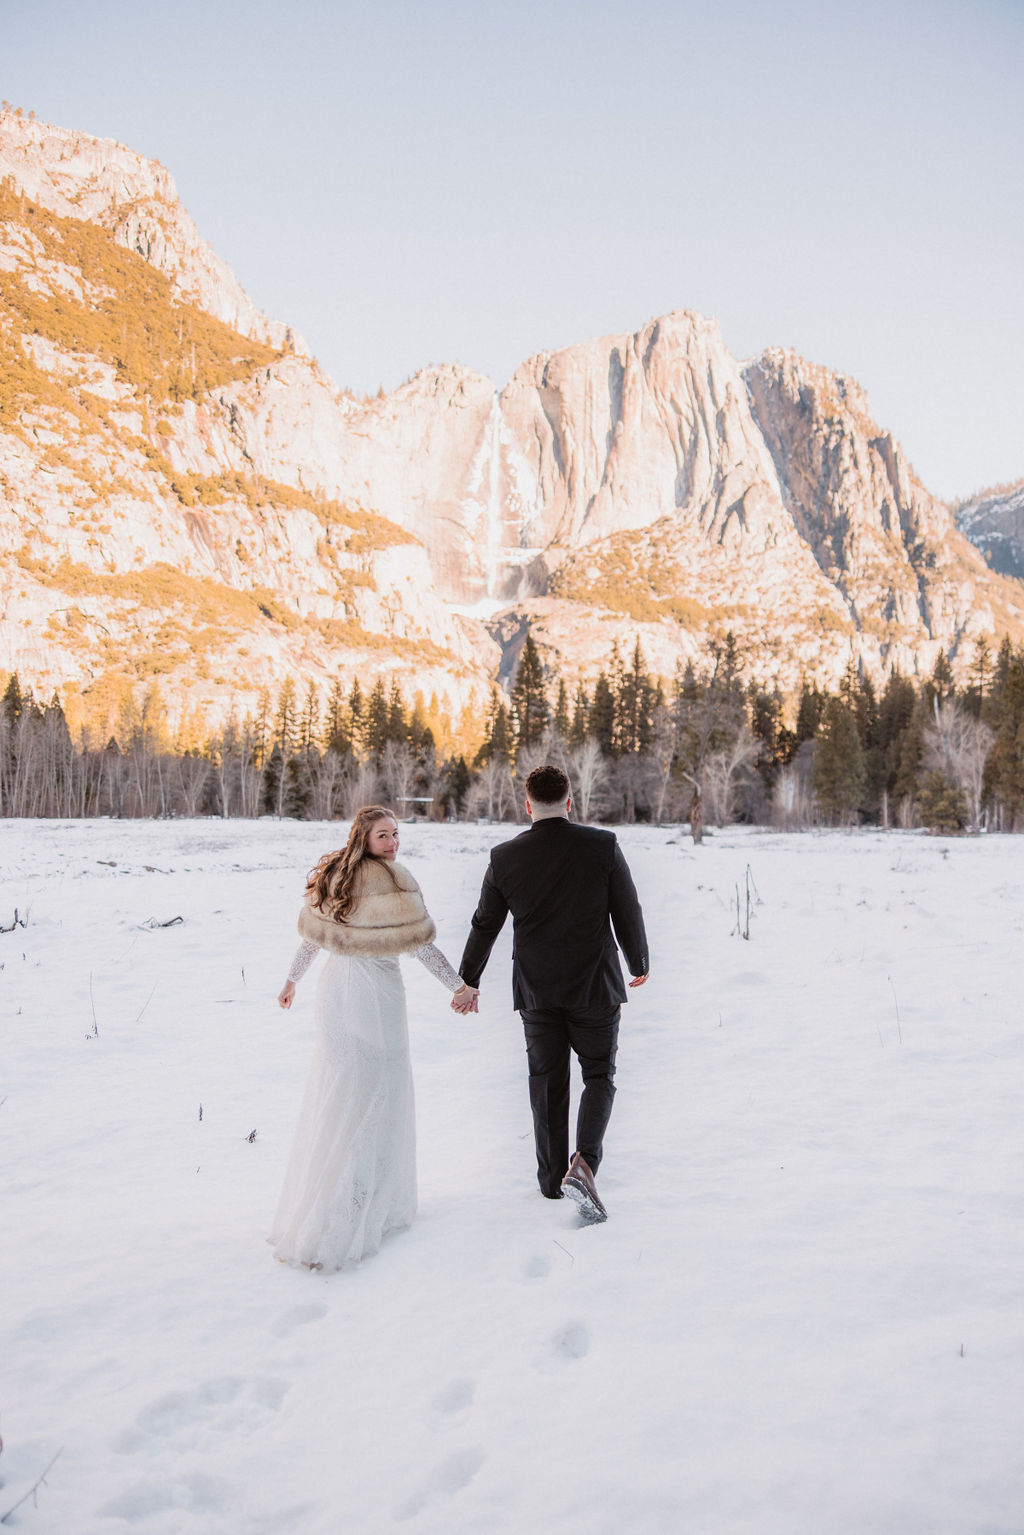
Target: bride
[{"x": 351, "y": 1177}]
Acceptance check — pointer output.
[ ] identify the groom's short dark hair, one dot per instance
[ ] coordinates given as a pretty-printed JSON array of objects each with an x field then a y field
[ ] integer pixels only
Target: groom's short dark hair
[{"x": 547, "y": 786}]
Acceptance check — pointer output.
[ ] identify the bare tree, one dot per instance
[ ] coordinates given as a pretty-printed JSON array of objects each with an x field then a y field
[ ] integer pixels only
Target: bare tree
[
  {"x": 189, "y": 775},
  {"x": 397, "y": 769},
  {"x": 956, "y": 745},
  {"x": 359, "y": 786},
  {"x": 661, "y": 762},
  {"x": 249, "y": 781},
  {"x": 588, "y": 774},
  {"x": 709, "y": 714},
  {"x": 792, "y": 800},
  {"x": 492, "y": 794},
  {"x": 327, "y": 779},
  {"x": 724, "y": 770},
  {"x": 550, "y": 748}
]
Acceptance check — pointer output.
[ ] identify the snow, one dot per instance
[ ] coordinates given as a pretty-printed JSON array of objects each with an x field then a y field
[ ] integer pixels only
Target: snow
[
  {"x": 484, "y": 609},
  {"x": 802, "y": 1316}
]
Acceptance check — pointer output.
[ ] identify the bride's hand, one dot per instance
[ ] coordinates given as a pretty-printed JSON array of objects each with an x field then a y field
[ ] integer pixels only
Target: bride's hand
[
  {"x": 464, "y": 999},
  {"x": 287, "y": 993}
]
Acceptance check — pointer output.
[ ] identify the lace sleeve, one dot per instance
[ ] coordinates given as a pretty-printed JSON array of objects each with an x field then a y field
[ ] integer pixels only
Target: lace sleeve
[
  {"x": 305, "y": 954},
  {"x": 431, "y": 957}
]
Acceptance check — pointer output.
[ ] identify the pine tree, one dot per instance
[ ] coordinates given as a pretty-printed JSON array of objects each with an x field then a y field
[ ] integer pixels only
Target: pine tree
[
  {"x": 992, "y": 708},
  {"x": 455, "y": 782},
  {"x": 908, "y": 773},
  {"x": 579, "y": 729},
  {"x": 419, "y": 733},
  {"x": 298, "y": 783},
  {"x": 286, "y": 718},
  {"x": 562, "y": 722},
  {"x": 261, "y": 728},
  {"x": 980, "y": 678},
  {"x": 766, "y": 725},
  {"x": 1004, "y": 770},
  {"x": 942, "y": 677},
  {"x": 12, "y": 702},
  {"x": 839, "y": 775},
  {"x": 497, "y": 744},
  {"x": 356, "y": 711},
  {"x": 809, "y": 713},
  {"x": 58, "y": 769},
  {"x": 375, "y": 721},
  {"x": 727, "y": 665},
  {"x": 272, "y": 788},
  {"x": 529, "y": 704},
  {"x": 635, "y": 706},
  {"x": 895, "y": 713},
  {"x": 859, "y": 694},
  {"x": 421, "y": 743},
  {"x": 12, "y": 706},
  {"x": 616, "y": 683},
  {"x": 309, "y": 724},
  {"x": 601, "y": 720},
  {"x": 397, "y": 729},
  {"x": 337, "y": 721},
  {"x": 941, "y": 806}
]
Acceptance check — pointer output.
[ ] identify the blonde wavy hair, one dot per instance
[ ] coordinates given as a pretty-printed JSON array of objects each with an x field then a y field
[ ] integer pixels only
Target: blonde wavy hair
[{"x": 330, "y": 886}]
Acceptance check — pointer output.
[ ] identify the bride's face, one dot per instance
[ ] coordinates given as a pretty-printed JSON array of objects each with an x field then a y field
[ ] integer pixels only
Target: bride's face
[{"x": 383, "y": 839}]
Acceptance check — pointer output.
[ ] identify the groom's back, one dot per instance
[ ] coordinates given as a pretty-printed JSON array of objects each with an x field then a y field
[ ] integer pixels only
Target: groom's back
[
  {"x": 565, "y": 886},
  {"x": 555, "y": 878}
]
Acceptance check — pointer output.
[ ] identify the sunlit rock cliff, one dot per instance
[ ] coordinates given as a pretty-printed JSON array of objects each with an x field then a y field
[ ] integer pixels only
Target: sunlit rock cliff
[
  {"x": 143, "y": 534},
  {"x": 185, "y": 496},
  {"x": 135, "y": 199},
  {"x": 994, "y": 521}
]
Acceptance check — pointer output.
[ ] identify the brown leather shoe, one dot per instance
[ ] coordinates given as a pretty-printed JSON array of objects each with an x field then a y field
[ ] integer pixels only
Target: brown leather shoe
[{"x": 580, "y": 1187}]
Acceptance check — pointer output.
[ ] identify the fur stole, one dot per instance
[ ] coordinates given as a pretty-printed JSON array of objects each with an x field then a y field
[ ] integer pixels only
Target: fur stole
[{"x": 387, "y": 917}]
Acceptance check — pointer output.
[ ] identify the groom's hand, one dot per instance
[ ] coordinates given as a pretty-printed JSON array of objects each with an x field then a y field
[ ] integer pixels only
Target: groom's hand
[{"x": 465, "y": 999}]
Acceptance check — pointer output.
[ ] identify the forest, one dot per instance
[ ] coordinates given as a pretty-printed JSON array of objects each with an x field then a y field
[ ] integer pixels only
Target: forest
[{"x": 707, "y": 748}]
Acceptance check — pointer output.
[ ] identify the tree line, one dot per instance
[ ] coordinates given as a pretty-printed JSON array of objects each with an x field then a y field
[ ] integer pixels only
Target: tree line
[{"x": 706, "y": 747}]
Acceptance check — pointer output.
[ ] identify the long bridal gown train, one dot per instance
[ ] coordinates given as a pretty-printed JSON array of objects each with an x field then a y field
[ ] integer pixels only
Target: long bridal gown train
[{"x": 351, "y": 1176}]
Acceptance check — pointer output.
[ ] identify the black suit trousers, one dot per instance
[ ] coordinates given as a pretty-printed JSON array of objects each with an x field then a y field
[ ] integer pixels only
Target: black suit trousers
[{"x": 551, "y": 1035}]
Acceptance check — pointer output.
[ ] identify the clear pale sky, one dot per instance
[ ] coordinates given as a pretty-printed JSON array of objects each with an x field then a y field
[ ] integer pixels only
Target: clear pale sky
[{"x": 471, "y": 181}]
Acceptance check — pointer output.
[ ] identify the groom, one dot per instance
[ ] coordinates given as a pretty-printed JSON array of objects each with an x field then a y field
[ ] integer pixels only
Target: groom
[{"x": 567, "y": 887}]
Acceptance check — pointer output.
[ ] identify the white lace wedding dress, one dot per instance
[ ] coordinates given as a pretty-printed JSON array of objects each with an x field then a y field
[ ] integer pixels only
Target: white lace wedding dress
[{"x": 351, "y": 1177}]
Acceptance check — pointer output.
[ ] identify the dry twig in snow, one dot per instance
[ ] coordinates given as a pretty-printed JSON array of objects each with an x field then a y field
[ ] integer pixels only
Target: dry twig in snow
[{"x": 40, "y": 1481}]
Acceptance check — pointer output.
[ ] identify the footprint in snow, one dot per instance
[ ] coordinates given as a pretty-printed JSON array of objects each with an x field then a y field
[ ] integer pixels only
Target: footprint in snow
[
  {"x": 196, "y": 1494},
  {"x": 570, "y": 1342},
  {"x": 449, "y": 1478},
  {"x": 299, "y": 1316},
  {"x": 229, "y": 1405},
  {"x": 451, "y": 1400},
  {"x": 538, "y": 1267}
]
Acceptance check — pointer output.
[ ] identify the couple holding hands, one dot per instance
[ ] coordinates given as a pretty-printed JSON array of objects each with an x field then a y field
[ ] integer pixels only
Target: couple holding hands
[{"x": 351, "y": 1177}]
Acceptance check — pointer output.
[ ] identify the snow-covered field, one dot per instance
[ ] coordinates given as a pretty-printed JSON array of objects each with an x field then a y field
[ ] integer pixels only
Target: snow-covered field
[{"x": 803, "y": 1317}]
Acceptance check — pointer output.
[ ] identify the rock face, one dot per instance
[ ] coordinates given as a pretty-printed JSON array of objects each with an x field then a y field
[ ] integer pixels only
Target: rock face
[
  {"x": 763, "y": 498},
  {"x": 144, "y": 536},
  {"x": 891, "y": 550},
  {"x": 672, "y": 494},
  {"x": 208, "y": 508},
  {"x": 995, "y": 524},
  {"x": 136, "y": 200}
]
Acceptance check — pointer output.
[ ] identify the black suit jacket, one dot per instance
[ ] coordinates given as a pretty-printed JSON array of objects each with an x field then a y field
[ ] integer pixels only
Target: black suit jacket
[{"x": 567, "y": 887}]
